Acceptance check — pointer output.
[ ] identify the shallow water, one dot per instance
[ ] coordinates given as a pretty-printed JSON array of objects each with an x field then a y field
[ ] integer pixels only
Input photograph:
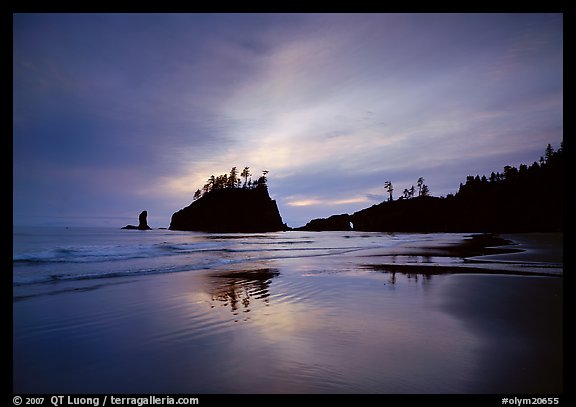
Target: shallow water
[{"x": 99, "y": 310}]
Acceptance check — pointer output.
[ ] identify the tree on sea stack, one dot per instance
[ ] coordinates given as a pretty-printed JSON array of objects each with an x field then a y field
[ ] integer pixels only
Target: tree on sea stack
[
  {"x": 261, "y": 182},
  {"x": 245, "y": 174},
  {"x": 232, "y": 178}
]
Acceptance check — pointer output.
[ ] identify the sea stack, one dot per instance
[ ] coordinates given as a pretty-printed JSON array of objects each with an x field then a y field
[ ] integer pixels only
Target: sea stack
[
  {"x": 142, "y": 222},
  {"x": 230, "y": 210}
]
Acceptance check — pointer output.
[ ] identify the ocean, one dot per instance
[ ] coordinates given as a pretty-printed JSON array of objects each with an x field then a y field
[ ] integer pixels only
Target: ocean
[{"x": 103, "y": 310}]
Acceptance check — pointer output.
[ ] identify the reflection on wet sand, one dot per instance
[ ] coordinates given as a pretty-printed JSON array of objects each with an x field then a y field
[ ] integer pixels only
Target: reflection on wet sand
[
  {"x": 426, "y": 271},
  {"x": 479, "y": 254},
  {"x": 238, "y": 289},
  {"x": 415, "y": 277}
]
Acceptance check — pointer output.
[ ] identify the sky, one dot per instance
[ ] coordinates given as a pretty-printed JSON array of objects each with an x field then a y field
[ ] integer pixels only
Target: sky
[{"x": 118, "y": 113}]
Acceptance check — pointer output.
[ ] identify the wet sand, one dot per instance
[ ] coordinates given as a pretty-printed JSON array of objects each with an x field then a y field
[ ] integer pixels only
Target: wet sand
[
  {"x": 516, "y": 312},
  {"x": 532, "y": 247},
  {"x": 315, "y": 325},
  {"x": 519, "y": 320}
]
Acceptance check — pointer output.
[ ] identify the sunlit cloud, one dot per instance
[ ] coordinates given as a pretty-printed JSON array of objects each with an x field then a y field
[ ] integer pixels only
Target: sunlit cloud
[{"x": 322, "y": 202}]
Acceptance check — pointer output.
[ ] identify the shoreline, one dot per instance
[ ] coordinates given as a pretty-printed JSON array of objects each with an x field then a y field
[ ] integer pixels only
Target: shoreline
[
  {"x": 486, "y": 253},
  {"x": 531, "y": 248}
]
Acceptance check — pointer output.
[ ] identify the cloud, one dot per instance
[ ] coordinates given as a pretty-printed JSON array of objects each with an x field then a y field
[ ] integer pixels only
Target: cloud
[
  {"x": 323, "y": 202},
  {"x": 149, "y": 106}
]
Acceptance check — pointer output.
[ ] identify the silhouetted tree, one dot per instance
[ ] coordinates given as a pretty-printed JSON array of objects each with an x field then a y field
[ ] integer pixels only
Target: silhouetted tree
[
  {"x": 261, "y": 182},
  {"x": 221, "y": 182},
  {"x": 549, "y": 153},
  {"x": 232, "y": 178},
  {"x": 420, "y": 183},
  {"x": 389, "y": 187},
  {"x": 510, "y": 172},
  {"x": 245, "y": 173},
  {"x": 425, "y": 190},
  {"x": 210, "y": 184}
]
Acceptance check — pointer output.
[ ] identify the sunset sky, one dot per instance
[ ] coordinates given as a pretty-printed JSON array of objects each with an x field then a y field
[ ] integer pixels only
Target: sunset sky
[{"x": 117, "y": 113}]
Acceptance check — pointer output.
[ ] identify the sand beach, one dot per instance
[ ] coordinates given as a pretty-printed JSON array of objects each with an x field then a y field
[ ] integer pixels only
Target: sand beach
[{"x": 296, "y": 320}]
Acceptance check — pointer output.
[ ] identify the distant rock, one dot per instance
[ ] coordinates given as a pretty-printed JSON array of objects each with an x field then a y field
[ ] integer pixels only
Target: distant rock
[
  {"x": 230, "y": 210},
  {"x": 334, "y": 222},
  {"x": 142, "y": 222}
]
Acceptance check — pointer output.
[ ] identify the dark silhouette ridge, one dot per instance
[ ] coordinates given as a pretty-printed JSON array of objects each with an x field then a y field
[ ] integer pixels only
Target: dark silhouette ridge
[
  {"x": 142, "y": 222},
  {"x": 527, "y": 199},
  {"x": 231, "y": 210},
  {"x": 334, "y": 222}
]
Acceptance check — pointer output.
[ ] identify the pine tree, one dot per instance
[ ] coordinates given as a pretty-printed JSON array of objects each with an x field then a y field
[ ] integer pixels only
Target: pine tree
[{"x": 390, "y": 188}]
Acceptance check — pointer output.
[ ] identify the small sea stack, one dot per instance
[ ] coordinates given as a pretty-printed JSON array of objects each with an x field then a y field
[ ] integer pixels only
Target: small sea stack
[{"x": 142, "y": 222}]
